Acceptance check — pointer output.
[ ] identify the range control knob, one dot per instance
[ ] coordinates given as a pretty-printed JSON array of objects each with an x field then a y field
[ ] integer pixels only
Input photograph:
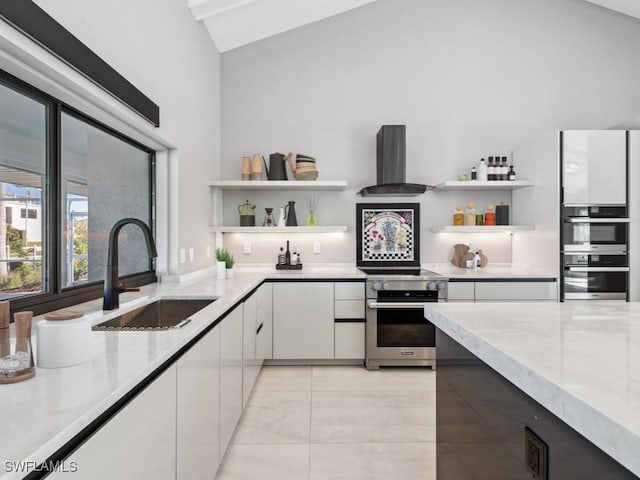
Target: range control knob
[
  {"x": 441, "y": 285},
  {"x": 431, "y": 286},
  {"x": 386, "y": 286},
  {"x": 377, "y": 285}
]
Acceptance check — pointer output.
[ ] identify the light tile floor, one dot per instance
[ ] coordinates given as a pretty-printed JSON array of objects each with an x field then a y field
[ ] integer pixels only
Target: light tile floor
[{"x": 336, "y": 423}]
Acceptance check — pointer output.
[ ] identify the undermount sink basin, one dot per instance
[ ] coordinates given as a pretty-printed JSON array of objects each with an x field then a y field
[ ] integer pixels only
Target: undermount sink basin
[{"x": 159, "y": 315}]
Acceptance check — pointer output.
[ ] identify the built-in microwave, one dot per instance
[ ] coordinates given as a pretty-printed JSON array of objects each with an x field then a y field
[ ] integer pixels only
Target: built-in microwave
[{"x": 595, "y": 229}]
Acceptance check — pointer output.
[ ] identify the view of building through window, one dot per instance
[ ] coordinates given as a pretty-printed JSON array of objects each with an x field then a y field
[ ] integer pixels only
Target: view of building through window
[
  {"x": 21, "y": 228},
  {"x": 23, "y": 154}
]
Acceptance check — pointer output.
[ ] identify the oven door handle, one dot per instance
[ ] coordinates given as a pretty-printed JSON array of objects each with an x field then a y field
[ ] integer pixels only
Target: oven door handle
[
  {"x": 595, "y": 220},
  {"x": 597, "y": 269},
  {"x": 395, "y": 305}
]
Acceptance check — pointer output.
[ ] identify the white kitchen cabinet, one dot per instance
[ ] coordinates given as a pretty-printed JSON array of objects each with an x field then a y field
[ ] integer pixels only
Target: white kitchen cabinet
[
  {"x": 249, "y": 359},
  {"x": 230, "y": 375},
  {"x": 264, "y": 339},
  {"x": 349, "y": 314},
  {"x": 461, "y": 292},
  {"x": 138, "y": 442},
  {"x": 516, "y": 291},
  {"x": 303, "y": 320},
  {"x": 503, "y": 291},
  {"x": 198, "y": 409},
  {"x": 349, "y": 340},
  {"x": 594, "y": 167}
]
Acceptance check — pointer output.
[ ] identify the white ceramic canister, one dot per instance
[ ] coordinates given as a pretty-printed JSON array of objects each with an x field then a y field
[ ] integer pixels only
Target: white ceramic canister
[
  {"x": 221, "y": 270},
  {"x": 63, "y": 343}
]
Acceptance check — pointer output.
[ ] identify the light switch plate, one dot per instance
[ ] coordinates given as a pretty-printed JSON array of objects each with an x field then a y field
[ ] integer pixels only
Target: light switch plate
[
  {"x": 192, "y": 255},
  {"x": 246, "y": 247},
  {"x": 208, "y": 251},
  {"x": 316, "y": 247},
  {"x": 183, "y": 255}
]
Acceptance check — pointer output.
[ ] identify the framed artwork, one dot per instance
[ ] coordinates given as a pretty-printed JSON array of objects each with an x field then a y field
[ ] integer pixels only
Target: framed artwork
[{"x": 388, "y": 234}]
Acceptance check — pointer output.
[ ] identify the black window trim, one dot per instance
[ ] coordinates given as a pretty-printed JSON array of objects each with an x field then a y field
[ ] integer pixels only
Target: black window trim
[{"x": 55, "y": 296}]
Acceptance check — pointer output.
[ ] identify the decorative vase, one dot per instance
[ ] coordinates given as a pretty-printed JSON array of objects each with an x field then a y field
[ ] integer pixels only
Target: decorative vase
[
  {"x": 311, "y": 219},
  {"x": 230, "y": 272},
  {"x": 221, "y": 268}
]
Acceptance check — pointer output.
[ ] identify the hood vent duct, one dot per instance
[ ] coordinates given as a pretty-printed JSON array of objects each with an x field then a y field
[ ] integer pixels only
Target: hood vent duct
[{"x": 391, "y": 166}]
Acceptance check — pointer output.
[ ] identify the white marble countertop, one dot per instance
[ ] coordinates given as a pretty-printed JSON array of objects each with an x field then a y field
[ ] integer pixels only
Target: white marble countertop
[
  {"x": 580, "y": 360},
  {"x": 491, "y": 271},
  {"x": 41, "y": 414}
]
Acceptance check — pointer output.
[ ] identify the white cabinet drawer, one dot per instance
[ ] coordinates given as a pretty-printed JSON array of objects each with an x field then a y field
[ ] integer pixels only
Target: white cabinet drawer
[
  {"x": 349, "y": 309},
  {"x": 461, "y": 291},
  {"x": 515, "y": 291},
  {"x": 349, "y": 340},
  {"x": 349, "y": 290}
]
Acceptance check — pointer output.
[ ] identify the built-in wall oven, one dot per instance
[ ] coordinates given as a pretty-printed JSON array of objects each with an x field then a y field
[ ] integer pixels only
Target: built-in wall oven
[
  {"x": 397, "y": 332},
  {"x": 595, "y": 255}
]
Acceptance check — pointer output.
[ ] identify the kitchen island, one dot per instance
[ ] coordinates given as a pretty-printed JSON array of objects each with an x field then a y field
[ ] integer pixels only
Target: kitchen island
[{"x": 570, "y": 372}]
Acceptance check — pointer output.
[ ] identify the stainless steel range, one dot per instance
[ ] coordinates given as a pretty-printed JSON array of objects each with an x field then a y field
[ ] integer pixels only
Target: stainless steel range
[{"x": 397, "y": 334}]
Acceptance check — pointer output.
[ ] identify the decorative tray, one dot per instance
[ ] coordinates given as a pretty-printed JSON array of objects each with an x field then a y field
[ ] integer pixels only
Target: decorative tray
[{"x": 297, "y": 266}]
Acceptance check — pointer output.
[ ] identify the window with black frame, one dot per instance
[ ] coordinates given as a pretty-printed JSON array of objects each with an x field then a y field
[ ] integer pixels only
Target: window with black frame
[{"x": 64, "y": 181}]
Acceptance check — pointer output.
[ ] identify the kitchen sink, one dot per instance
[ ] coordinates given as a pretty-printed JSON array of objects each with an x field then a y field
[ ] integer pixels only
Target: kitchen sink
[{"x": 159, "y": 315}]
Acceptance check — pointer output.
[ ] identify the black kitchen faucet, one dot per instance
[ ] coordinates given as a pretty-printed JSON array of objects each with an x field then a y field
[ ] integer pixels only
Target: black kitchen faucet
[{"x": 112, "y": 288}]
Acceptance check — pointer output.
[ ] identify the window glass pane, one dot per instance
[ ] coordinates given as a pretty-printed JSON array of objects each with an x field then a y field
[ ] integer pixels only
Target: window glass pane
[
  {"x": 104, "y": 179},
  {"x": 23, "y": 154}
]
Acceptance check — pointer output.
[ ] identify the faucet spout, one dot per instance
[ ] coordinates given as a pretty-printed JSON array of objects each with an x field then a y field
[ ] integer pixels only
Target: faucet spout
[{"x": 112, "y": 289}]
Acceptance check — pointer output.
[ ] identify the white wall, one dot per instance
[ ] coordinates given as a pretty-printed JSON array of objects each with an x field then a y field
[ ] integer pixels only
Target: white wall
[
  {"x": 159, "y": 47},
  {"x": 469, "y": 78}
]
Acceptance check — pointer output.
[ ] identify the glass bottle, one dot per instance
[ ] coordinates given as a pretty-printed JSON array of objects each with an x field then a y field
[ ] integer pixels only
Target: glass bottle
[
  {"x": 470, "y": 257},
  {"x": 474, "y": 173},
  {"x": 470, "y": 215},
  {"x": 491, "y": 170},
  {"x": 458, "y": 216},
  {"x": 490, "y": 216},
  {"x": 268, "y": 218},
  {"x": 512, "y": 173},
  {"x": 482, "y": 171}
]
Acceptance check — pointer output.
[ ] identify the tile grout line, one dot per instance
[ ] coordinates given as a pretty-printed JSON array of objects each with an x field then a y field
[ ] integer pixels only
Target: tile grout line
[{"x": 310, "y": 420}]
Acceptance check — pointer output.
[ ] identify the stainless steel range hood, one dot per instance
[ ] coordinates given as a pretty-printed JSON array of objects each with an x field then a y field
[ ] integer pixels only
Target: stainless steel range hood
[{"x": 391, "y": 163}]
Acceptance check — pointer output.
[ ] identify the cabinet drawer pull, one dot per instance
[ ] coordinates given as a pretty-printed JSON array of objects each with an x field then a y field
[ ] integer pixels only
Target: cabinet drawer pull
[{"x": 259, "y": 328}]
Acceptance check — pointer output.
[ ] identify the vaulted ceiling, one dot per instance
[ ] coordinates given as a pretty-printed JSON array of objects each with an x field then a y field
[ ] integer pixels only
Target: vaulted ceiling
[
  {"x": 234, "y": 23},
  {"x": 628, "y": 7}
]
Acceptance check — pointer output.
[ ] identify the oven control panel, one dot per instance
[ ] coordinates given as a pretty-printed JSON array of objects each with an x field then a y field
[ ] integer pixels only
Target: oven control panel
[{"x": 375, "y": 288}]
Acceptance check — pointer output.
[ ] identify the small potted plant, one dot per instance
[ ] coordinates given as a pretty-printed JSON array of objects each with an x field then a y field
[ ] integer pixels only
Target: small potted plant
[
  {"x": 221, "y": 263},
  {"x": 229, "y": 262}
]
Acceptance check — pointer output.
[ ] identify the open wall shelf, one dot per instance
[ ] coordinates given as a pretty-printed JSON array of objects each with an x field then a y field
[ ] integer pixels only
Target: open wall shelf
[
  {"x": 486, "y": 185},
  {"x": 318, "y": 185},
  {"x": 482, "y": 228}
]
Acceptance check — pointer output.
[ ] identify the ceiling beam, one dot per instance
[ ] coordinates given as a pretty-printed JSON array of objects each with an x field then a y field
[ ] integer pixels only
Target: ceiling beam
[{"x": 210, "y": 8}]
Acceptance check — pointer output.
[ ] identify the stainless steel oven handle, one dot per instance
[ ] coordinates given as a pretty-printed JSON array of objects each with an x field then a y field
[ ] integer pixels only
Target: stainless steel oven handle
[
  {"x": 395, "y": 305},
  {"x": 597, "y": 269},
  {"x": 595, "y": 220}
]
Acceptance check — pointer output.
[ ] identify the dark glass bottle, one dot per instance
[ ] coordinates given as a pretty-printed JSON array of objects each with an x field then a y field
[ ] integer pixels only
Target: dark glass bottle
[
  {"x": 491, "y": 170},
  {"x": 287, "y": 255},
  {"x": 512, "y": 173}
]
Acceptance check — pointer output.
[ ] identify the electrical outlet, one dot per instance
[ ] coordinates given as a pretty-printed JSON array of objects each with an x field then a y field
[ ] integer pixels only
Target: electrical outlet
[
  {"x": 208, "y": 251},
  {"x": 536, "y": 455},
  {"x": 246, "y": 247},
  {"x": 316, "y": 247},
  {"x": 192, "y": 255},
  {"x": 183, "y": 255}
]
